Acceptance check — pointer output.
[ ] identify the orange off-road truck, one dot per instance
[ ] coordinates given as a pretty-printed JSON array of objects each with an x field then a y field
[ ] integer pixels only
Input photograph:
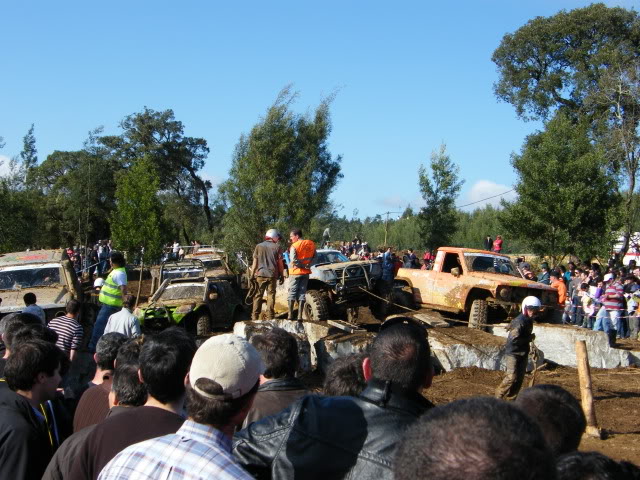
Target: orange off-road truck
[{"x": 482, "y": 285}]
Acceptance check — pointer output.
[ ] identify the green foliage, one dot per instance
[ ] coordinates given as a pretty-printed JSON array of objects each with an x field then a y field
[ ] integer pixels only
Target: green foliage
[
  {"x": 438, "y": 218},
  {"x": 18, "y": 219},
  {"x": 281, "y": 176},
  {"x": 557, "y": 62},
  {"x": 29, "y": 156},
  {"x": 566, "y": 194},
  {"x": 135, "y": 222}
]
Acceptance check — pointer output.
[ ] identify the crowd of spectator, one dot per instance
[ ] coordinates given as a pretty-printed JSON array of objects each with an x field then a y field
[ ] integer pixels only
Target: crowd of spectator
[{"x": 159, "y": 407}]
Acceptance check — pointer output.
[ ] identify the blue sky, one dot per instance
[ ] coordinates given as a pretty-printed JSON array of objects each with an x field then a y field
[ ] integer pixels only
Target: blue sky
[{"x": 409, "y": 75}]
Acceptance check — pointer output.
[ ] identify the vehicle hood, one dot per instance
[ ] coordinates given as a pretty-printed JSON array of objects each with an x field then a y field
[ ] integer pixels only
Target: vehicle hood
[
  {"x": 333, "y": 266},
  {"x": 498, "y": 279}
]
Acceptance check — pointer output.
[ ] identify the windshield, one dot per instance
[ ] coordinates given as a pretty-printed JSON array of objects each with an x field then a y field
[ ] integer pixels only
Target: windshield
[
  {"x": 181, "y": 291},
  {"x": 212, "y": 263},
  {"x": 15, "y": 279},
  {"x": 481, "y": 262},
  {"x": 329, "y": 257}
]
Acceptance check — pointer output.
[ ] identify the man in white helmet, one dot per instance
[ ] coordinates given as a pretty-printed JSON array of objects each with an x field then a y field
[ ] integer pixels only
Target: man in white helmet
[
  {"x": 517, "y": 348},
  {"x": 267, "y": 267}
]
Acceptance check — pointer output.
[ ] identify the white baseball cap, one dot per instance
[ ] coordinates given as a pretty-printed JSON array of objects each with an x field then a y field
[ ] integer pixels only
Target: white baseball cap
[
  {"x": 608, "y": 277},
  {"x": 228, "y": 360}
]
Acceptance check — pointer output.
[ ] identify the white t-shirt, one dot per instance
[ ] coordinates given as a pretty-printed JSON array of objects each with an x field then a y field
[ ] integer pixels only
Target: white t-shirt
[
  {"x": 176, "y": 247},
  {"x": 119, "y": 277}
]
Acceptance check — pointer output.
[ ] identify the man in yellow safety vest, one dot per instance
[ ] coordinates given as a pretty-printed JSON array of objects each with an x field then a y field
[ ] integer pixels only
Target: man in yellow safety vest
[{"x": 111, "y": 295}]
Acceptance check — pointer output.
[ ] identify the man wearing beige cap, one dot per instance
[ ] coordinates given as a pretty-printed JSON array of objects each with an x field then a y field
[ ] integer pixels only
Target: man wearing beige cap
[{"x": 223, "y": 379}]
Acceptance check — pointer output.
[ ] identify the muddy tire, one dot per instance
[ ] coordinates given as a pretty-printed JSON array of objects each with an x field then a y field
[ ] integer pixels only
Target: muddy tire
[
  {"x": 203, "y": 325},
  {"x": 404, "y": 298},
  {"x": 478, "y": 315},
  {"x": 316, "y": 307}
]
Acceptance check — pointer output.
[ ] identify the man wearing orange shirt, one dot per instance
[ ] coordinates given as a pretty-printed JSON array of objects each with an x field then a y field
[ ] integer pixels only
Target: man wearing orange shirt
[
  {"x": 301, "y": 255},
  {"x": 558, "y": 283}
]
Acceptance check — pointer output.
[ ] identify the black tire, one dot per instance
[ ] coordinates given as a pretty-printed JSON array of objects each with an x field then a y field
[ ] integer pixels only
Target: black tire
[
  {"x": 479, "y": 314},
  {"x": 316, "y": 307},
  {"x": 203, "y": 325},
  {"x": 404, "y": 298}
]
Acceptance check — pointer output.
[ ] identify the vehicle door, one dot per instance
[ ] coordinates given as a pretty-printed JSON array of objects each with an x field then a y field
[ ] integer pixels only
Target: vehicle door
[
  {"x": 221, "y": 306},
  {"x": 448, "y": 288}
]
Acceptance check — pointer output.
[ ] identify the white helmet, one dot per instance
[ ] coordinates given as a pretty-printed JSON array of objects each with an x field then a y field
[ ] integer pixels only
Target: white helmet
[
  {"x": 273, "y": 234},
  {"x": 531, "y": 301}
]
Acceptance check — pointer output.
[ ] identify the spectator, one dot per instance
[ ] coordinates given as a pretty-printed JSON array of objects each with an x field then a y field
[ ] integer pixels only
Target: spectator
[
  {"x": 164, "y": 364},
  {"x": 279, "y": 386},
  {"x": 488, "y": 243},
  {"x": 69, "y": 330},
  {"x": 33, "y": 373},
  {"x": 544, "y": 274},
  {"x": 8, "y": 326},
  {"x": 526, "y": 271},
  {"x": 588, "y": 306},
  {"x": 126, "y": 391},
  {"x": 557, "y": 413},
  {"x": 593, "y": 466},
  {"x": 477, "y": 438},
  {"x": 613, "y": 303},
  {"x": 124, "y": 321},
  {"x": 94, "y": 401},
  {"x": 497, "y": 244},
  {"x": 555, "y": 279},
  {"x": 33, "y": 308},
  {"x": 345, "y": 376},
  {"x": 631, "y": 287},
  {"x": 223, "y": 380},
  {"x": 346, "y": 437}
]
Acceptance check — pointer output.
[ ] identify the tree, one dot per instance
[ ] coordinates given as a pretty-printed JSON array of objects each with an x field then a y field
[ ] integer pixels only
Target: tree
[
  {"x": 557, "y": 62},
  {"x": 281, "y": 176},
  {"x": 135, "y": 222},
  {"x": 29, "y": 156},
  {"x": 438, "y": 219},
  {"x": 178, "y": 158},
  {"x": 567, "y": 195}
]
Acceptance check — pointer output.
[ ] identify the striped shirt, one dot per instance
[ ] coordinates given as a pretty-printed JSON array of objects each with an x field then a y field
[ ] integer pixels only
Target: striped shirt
[
  {"x": 195, "y": 451},
  {"x": 614, "y": 289},
  {"x": 69, "y": 333}
]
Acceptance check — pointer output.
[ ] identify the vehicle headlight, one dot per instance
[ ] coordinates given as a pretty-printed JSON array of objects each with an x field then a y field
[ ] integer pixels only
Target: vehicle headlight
[
  {"x": 505, "y": 293},
  {"x": 182, "y": 309}
]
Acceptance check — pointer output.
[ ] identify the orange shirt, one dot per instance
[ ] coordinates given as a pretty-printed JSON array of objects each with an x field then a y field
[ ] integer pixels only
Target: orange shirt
[{"x": 562, "y": 291}]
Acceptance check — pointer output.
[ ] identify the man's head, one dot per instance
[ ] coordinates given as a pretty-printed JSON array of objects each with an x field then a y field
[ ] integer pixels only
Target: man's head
[
  {"x": 279, "y": 352},
  {"x": 223, "y": 379},
  {"x": 12, "y": 323},
  {"x": 126, "y": 389},
  {"x": 36, "y": 367},
  {"x": 117, "y": 259},
  {"x": 128, "y": 302},
  {"x": 345, "y": 376},
  {"x": 273, "y": 235},
  {"x": 400, "y": 354},
  {"x": 544, "y": 266},
  {"x": 531, "y": 306},
  {"x": 165, "y": 359},
  {"x": 73, "y": 307},
  {"x": 558, "y": 414},
  {"x": 295, "y": 234},
  {"x": 554, "y": 275},
  {"x": 592, "y": 465},
  {"x": 608, "y": 277},
  {"x": 107, "y": 350},
  {"x": 479, "y": 438},
  {"x": 29, "y": 298}
]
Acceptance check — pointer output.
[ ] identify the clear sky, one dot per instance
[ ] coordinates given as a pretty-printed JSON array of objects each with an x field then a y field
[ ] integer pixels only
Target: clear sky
[{"x": 410, "y": 75}]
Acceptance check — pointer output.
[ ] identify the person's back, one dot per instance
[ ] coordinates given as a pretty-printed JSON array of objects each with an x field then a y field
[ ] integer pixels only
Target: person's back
[
  {"x": 346, "y": 437},
  {"x": 32, "y": 308}
]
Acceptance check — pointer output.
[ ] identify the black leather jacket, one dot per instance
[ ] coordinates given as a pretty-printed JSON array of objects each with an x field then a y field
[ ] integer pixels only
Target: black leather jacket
[{"x": 331, "y": 437}]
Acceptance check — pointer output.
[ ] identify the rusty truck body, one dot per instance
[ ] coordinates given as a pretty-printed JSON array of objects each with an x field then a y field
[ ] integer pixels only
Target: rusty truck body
[{"x": 471, "y": 282}]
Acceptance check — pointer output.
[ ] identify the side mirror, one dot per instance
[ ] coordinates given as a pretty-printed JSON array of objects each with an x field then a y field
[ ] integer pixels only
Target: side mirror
[
  {"x": 213, "y": 295},
  {"x": 455, "y": 271}
]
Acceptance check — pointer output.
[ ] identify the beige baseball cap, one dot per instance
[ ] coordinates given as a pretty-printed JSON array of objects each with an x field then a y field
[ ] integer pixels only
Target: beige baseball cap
[{"x": 228, "y": 360}]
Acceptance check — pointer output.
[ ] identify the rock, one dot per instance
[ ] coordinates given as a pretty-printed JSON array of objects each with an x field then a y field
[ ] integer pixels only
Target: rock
[
  {"x": 558, "y": 343},
  {"x": 432, "y": 318},
  {"x": 315, "y": 331},
  {"x": 341, "y": 345}
]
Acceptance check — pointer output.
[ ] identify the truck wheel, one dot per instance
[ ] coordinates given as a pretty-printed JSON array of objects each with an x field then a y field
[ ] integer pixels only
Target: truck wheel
[
  {"x": 316, "y": 308},
  {"x": 404, "y": 298},
  {"x": 203, "y": 325},
  {"x": 478, "y": 315}
]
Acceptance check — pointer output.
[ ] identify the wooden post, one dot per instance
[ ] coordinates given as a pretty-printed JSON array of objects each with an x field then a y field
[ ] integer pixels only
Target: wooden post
[{"x": 586, "y": 389}]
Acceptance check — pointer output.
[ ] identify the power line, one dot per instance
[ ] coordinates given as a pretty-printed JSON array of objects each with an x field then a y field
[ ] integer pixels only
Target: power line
[{"x": 488, "y": 198}]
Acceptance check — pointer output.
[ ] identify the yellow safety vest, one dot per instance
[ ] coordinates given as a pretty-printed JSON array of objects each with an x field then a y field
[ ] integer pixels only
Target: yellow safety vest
[{"x": 110, "y": 293}]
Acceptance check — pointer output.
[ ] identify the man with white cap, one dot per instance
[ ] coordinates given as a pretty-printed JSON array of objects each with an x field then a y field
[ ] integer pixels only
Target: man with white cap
[
  {"x": 223, "y": 379},
  {"x": 267, "y": 268}
]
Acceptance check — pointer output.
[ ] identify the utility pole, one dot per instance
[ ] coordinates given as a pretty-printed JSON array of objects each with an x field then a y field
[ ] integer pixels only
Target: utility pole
[{"x": 386, "y": 220}]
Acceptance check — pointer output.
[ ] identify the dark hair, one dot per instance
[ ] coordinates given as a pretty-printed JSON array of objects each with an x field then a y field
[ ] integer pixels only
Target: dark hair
[
  {"x": 165, "y": 359},
  {"x": 215, "y": 411},
  {"x": 279, "y": 352},
  {"x": 557, "y": 413},
  {"x": 117, "y": 258},
  {"x": 24, "y": 333},
  {"x": 479, "y": 438},
  {"x": 400, "y": 354},
  {"x": 13, "y": 322},
  {"x": 128, "y": 301},
  {"x": 107, "y": 349},
  {"x": 29, "y": 298},
  {"x": 590, "y": 465},
  {"x": 32, "y": 358},
  {"x": 345, "y": 376},
  {"x": 296, "y": 231},
  {"x": 127, "y": 386},
  {"x": 129, "y": 352},
  {"x": 584, "y": 286},
  {"x": 73, "y": 306},
  {"x": 555, "y": 273}
]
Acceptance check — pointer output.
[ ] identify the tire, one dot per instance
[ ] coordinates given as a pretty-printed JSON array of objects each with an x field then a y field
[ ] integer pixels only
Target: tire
[
  {"x": 203, "y": 325},
  {"x": 352, "y": 314},
  {"x": 478, "y": 315},
  {"x": 316, "y": 307},
  {"x": 404, "y": 298}
]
